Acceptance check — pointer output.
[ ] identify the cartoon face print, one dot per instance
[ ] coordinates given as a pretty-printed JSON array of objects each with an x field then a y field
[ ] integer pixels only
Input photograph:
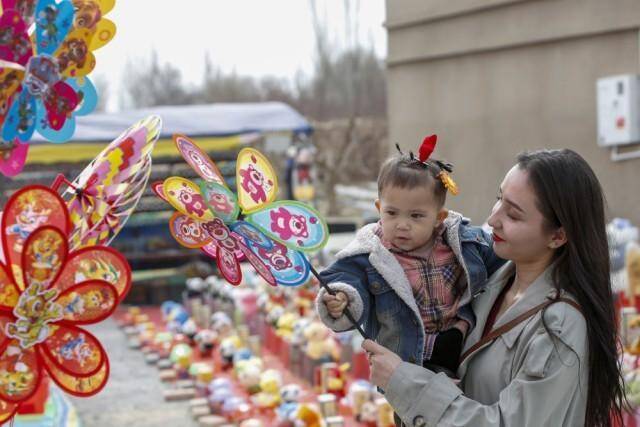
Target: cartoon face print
[
  {"x": 254, "y": 182},
  {"x": 201, "y": 165},
  {"x": 74, "y": 51},
  {"x": 87, "y": 13},
  {"x": 10, "y": 80},
  {"x": 221, "y": 203},
  {"x": 42, "y": 73},
  {"x": 288, "y": 225},
  {"x": 16, "y": 382},
  {"x": 18, "y": 45},
  {"x": 34, "y": 311},
  {"x": 217, "y": 230},
  {"x": 26, "y": 9},
  {"x": 276, "y": 256},
  {"x": 47, "y": 20},
  {"x": 76, "y": 349},
  {"x": 191, "y": 230},
  {"x": 192, "y": 201},
  {"x": 26, "y": 222}
]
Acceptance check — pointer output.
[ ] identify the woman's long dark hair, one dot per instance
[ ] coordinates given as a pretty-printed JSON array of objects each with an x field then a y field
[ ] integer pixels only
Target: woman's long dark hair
[{"x": 569, "y": 196}]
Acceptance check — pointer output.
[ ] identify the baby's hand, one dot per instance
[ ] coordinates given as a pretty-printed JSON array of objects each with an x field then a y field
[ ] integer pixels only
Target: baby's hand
[{"x": 335, "y": 303}]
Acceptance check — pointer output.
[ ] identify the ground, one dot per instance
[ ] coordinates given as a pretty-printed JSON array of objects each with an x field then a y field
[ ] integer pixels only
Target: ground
[{"x": 133, "y": 395}]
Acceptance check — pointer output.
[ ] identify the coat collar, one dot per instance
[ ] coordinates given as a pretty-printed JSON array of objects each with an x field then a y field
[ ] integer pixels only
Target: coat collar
[{"x": 541, "y": 289}]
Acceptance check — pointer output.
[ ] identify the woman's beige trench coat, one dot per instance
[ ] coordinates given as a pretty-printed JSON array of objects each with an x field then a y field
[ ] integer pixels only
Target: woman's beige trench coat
[{"x": 524, "y": 378}]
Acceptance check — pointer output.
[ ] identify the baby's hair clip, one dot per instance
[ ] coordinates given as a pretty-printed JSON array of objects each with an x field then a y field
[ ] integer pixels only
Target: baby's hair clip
[
  {"x": 448, "y": 182},
  {"x": 426, "y": 148}
]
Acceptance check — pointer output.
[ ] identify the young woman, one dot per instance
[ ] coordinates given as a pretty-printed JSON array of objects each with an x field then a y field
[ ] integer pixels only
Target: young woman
[{"x": 544, "y": 349}]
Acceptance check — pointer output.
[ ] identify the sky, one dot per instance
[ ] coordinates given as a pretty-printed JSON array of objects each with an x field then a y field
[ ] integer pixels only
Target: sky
[{"x": 252, "y": 37}]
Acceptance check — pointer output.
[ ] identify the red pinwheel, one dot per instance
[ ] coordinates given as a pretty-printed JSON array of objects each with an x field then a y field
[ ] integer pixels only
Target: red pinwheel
[{"x": 46, "y": 294}]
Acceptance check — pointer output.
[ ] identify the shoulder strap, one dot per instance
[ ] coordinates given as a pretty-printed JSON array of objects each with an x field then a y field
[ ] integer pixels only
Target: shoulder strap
[{"x": 514, "y": 322}]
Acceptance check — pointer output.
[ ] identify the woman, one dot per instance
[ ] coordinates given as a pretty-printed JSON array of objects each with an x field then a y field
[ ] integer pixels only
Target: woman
[{"x": 555, "y": 362}]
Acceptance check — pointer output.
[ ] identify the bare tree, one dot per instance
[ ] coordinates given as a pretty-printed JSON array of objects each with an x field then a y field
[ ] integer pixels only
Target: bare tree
[{"x": 149, "y": 84}]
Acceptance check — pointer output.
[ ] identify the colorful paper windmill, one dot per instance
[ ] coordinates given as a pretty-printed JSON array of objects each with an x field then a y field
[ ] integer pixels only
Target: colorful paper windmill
[
  {"x": 273, "y": 235},
  {"x": 103, "y": 196},
  {"x": 43, "y": 83},
  {"x": 46, "y": 293}
]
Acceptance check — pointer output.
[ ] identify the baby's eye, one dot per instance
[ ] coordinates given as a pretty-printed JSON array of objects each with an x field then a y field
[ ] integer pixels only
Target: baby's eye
[{"x": 417, "y": 216}]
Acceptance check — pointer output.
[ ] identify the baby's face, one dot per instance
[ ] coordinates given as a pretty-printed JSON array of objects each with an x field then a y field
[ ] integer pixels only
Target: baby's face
[{"x": 409, "y": 216}]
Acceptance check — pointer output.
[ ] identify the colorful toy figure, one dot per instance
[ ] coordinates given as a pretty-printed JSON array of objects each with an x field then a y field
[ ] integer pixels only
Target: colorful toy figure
[
  {"x": 290, "y": 396},
  {"x": 228, "y": 346},
  {"x": 320, "y": 346},
  {"x": 269, "y": 396},
  {"x": 205, "y": 340},
  {"x": 332, "y": 378},
  {"x": 285, "y": 324},
  {"x": 248, "y": 374}
]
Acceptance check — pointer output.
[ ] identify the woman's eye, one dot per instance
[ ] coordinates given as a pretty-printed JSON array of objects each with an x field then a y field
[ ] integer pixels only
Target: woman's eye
[{"x": 391, "y": 213}]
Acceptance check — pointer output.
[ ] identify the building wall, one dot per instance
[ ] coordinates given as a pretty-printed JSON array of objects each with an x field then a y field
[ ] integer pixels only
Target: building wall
[{"x": 495, "y": 77}]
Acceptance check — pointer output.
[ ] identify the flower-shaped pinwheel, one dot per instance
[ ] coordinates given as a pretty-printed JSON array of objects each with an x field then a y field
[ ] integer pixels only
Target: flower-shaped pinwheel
[
  {"x": 272, "y": 236},
  {"x": 46, "y": 293},
  {"x": 103, "y": 196},
  {"x": 42, "y": 77}
]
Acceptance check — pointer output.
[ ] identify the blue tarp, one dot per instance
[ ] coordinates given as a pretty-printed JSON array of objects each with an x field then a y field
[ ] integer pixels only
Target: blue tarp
[{"x": 194, "y": 121}]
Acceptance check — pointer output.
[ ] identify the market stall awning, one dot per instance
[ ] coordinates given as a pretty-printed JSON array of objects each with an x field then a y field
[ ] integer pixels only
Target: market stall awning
[
  {"x": 194, "y": 120},
  {"x": 72, "y": 152}
]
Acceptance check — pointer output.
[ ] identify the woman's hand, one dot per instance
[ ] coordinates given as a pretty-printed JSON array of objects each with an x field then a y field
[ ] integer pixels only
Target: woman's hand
[
  {"x": 382, "y": 361},
  {"x": 335, "y": 303}
]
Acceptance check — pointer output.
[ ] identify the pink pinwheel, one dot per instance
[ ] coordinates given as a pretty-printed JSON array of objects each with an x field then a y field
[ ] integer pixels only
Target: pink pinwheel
[{"x": 271, "y": 235}]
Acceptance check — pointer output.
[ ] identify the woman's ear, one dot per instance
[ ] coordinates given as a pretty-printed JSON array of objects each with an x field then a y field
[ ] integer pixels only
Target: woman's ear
[{"x": 558, "y": 238}]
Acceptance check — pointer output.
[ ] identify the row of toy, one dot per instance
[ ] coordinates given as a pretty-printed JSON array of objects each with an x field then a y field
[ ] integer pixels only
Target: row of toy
[
  {"x": 257, "y": 390},
  {"x": 265, "y": 392},
  {"x": 304, "y": 343}
]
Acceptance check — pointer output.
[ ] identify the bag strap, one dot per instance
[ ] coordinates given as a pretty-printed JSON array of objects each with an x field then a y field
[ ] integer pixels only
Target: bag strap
[{"x": 514, "y": 322}]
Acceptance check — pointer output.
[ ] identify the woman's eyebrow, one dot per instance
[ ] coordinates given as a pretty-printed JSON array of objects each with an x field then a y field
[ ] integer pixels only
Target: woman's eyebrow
[{"x": 512, "y": 203}]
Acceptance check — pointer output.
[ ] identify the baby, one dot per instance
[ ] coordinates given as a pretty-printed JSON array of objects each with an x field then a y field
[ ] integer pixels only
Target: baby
[{"x": 409, "y": 279}]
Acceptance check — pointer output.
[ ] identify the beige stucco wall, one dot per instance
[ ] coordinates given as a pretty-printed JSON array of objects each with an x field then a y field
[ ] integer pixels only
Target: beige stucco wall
[{"x": 495, "y": 77}]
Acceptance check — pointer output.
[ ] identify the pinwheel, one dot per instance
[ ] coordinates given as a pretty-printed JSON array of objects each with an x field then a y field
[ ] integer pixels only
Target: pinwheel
[
  {"x": 103, "y": 196},
  {"x": 274, "y": 236},
  {"x": 46, "y": 294},
  {"x": 43, "y": 83}
]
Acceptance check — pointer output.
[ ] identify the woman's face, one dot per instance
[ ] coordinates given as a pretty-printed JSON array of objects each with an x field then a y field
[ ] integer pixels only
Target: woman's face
[{"x": 519, "y": 234}]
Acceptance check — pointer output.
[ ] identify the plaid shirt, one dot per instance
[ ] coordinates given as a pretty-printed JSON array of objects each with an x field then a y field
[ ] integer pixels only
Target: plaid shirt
[{"x": 433, "y": 272}]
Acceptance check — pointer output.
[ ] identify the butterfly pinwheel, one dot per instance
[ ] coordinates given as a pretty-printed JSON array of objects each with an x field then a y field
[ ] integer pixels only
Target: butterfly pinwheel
[
  {"x": 43, "y": 67},
  {"x": 272, "y": 235},
  {"x": 47, "y": 292}
]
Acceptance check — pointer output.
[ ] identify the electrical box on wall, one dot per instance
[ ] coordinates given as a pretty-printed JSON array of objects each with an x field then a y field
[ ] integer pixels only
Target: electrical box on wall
[{"x": 618, "y": 99}]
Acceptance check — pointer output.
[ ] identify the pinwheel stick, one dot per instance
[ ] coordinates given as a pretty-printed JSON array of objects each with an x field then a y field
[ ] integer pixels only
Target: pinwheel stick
[{"x": 346, "y": 312}]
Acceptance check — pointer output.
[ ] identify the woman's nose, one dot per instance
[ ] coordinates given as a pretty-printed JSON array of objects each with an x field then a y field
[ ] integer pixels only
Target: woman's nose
[{"x": 493, "y": 218}]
